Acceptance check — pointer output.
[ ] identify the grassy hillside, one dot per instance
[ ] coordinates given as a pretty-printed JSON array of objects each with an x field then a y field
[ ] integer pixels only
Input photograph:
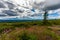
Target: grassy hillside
[{"x": 32, "y": 30}]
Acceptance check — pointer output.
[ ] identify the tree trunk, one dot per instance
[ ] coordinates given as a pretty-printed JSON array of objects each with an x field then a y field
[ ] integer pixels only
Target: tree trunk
[{"x": 45, "y": 17}]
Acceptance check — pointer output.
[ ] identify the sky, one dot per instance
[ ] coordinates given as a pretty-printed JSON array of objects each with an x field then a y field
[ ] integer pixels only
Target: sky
[{"x": 29, "y": 9}]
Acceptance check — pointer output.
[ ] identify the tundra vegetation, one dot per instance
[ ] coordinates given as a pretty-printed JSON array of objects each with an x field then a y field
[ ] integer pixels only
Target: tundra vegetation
[{"x": 31, "y": 30}]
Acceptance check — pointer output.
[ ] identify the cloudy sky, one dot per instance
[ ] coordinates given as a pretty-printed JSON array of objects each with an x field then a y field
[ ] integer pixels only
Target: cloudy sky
[{"x": 29, "y": 9}]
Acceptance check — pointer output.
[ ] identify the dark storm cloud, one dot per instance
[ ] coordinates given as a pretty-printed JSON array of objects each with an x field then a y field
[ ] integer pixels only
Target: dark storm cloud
[
  {"x": 20, "y": 10},
  {"x": 2, "y": 15},
  {"x": 47, "y": 5},
  {"x": 52, "y": 4},
  {"x": 38, "y": 5},
  {"x": 2, "y": 5},
  {"x": 52, "y": 7},
  {"x": 10, "y": 5},
  {"x": 10, "y": 12},
  {"x": 35, "y": 14}
]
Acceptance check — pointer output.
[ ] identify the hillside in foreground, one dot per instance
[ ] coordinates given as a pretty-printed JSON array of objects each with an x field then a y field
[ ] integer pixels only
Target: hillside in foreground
[{"x": 32, "y": 30}]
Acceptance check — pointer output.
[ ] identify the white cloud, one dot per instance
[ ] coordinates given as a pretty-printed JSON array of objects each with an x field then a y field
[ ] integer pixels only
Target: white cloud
[{"x": 23, "y": 8}]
